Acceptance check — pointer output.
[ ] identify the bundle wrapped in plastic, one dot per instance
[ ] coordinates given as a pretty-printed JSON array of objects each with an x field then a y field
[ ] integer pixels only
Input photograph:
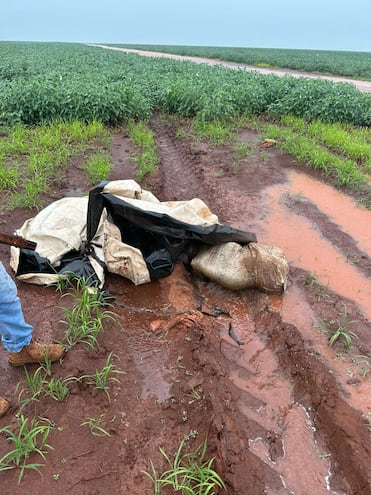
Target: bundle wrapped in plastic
[{"x": 237, "y": 267}]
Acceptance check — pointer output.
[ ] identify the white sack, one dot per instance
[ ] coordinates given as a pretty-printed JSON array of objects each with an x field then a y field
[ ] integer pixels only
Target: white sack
[{"x": 240, "y": 267}]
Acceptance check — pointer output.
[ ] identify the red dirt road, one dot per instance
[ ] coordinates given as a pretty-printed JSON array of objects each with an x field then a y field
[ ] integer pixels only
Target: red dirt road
[{"x": 364, "y": 86}]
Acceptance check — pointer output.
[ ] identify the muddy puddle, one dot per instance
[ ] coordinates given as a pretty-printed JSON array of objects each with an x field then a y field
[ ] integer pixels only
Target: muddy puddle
[
  {"x": 307, "y": 247},
  {"x": 271, "y": 423}
]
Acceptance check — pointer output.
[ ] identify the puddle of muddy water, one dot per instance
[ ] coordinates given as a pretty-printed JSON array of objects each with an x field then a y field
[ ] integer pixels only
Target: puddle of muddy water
[
  {"x": 266, "y": 397},
  {"x": 295, "y": 310},
  {"x": 303, "y": 244},
  {"x": 350, "y": 217},
  {"x": 308, "y": 467},
  {"x": 146, "y": 348},
  {"x": 266, "y": 401},
  {"x": 145, "y": 305},
  {"x": 300, "y": 470},
  {"x": 150, "y": 358}
]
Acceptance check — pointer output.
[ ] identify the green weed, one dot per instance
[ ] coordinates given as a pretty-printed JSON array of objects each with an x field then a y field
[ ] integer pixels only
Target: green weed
[
  {"x": 41, "y": 384},
  {"x": 62, "y": 283},
  {"x": 292, "y": 137},
  {"x": 339, "y": 328},
  {"x": 97, "y": 168},
  {"x": 242, "y": 149},
  {"x": 218, "y": 133},
  {"x": 94, "y": 424},
  {"x": 346, "y": 140},
  {"x": 195, "y": 395},
  {"x": 85, "y": 319},
  {"x": 9, "y": 176},
  {"x": 310, "y": 279},
  {"x": 30, "y": 196},
  {"x": 145, "y": 155},
  {"x": 102, "y": 379},
  {"x": 34, "y": 386},
  {"x": 180, "y": 133},
  {"x": 30, "y": 439},
  {"x": 189, "y": 474},
  {"x": 364, "y": 361},
  {"x": 33, "y": 159},
  {"x": 56, "y": 388}
]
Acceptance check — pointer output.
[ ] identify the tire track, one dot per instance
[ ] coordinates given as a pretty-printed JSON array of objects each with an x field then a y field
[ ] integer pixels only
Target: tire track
[
  {"x": 283, "y": 403},
  {"x": 183, "y": 175},
  {"x": 180, "y": 178}
]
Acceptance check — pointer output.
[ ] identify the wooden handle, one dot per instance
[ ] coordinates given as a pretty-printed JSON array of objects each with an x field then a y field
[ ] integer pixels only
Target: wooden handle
[{"x": 17, "y": 241}]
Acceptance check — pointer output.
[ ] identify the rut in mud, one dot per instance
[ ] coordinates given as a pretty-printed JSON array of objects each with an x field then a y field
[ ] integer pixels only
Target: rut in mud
[
  {"x": 285, "y": 389},
  {"x": 283, "y": 412}
]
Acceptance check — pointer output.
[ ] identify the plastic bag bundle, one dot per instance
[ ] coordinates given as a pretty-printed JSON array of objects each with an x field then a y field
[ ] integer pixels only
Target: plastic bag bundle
[{"x": 237, "y": 267}]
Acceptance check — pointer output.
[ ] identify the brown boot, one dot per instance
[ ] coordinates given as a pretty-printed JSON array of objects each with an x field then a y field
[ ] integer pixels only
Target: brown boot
[
  {"x": 4, "y": 406},
  {"x": 36, "y": 353}
]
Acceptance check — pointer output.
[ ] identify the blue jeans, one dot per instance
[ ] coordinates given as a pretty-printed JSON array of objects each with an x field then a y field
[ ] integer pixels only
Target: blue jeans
[{"x": 15, "y": 332}]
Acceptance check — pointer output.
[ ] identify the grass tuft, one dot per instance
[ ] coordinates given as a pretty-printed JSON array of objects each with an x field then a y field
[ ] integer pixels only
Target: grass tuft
[
  {"x": 29, "y": 439},
  {"x": 189, "y": 474}
]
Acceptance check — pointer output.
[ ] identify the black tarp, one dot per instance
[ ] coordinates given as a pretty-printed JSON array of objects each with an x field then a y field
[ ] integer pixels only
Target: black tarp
[{"x": 161, "y": 238}]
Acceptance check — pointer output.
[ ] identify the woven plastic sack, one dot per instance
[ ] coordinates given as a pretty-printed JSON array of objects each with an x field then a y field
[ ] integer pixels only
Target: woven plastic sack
[{"x": 237, "y": 267}]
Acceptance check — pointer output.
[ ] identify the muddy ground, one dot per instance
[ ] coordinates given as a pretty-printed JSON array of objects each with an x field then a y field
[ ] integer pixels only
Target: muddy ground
[{"x": 283, "y": 413}]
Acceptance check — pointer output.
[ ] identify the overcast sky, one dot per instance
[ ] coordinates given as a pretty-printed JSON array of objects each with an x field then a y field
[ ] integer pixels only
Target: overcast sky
[{"x": 309, "y": 24}]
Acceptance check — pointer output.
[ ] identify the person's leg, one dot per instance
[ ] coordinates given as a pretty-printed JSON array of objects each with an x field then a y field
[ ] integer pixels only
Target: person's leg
[{"x": 15, "y": 332}]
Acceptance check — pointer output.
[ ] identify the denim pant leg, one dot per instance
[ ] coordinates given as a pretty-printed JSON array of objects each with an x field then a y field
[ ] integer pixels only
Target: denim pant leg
[{"x": 15, "y": 332}]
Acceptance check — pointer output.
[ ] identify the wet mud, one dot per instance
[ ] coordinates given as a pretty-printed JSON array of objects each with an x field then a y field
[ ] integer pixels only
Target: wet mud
[{"x": 283, "y": 413}]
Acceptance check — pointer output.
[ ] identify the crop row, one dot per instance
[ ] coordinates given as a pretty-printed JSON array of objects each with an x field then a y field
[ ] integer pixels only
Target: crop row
[
  {"x": 42, "y": 82},
  {"x": 342, "y": 63}
]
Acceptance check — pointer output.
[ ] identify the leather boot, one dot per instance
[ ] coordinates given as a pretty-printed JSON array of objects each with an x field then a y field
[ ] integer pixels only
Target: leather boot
[
  {"x": 4, "y": 406},
  {"x": 36, "y": 353}
]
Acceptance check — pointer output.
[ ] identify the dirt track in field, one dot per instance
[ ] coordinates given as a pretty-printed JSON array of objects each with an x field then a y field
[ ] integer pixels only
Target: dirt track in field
[
  {"x": 283, "y": 413},
  {"x": 361, "y": 85}
]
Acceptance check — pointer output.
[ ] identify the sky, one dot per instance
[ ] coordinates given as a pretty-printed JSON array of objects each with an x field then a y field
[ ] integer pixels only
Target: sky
[{"x": 302, "y": 24}]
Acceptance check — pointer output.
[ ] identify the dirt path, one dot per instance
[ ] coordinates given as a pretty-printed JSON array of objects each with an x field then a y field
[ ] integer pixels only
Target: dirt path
[
  {"x": 283, "y": 413},
  {"x": 361, "y": 85},
  {"x": 279, "y": 204}
]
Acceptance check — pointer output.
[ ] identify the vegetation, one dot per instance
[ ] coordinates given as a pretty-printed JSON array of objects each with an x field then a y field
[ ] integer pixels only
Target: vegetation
[
  {"x": 97, "y": 168},
  {"x": 48, "y": 81},
  {"x": 102, "y": 379},
  {"x": 350, "y": 64},
  {"x": 145, "y": 156},
  {"x": 339, "y": 151},
  {"x": 189, "y": 474},
  {"x": 323, "y": 124},
  {"x": 39, "y": 384},
  {"x": 218, "y": 133},
  {"x": 340, "y": 328},
  {"x": 94, "y": 424},
  {"x": 85, "y": 319},
  {"x": 28, "y": 440},
  {"x": 55, "y": 103},
  {"x": 85, "y": 323},
  {"x": 33, "y": 159}
]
